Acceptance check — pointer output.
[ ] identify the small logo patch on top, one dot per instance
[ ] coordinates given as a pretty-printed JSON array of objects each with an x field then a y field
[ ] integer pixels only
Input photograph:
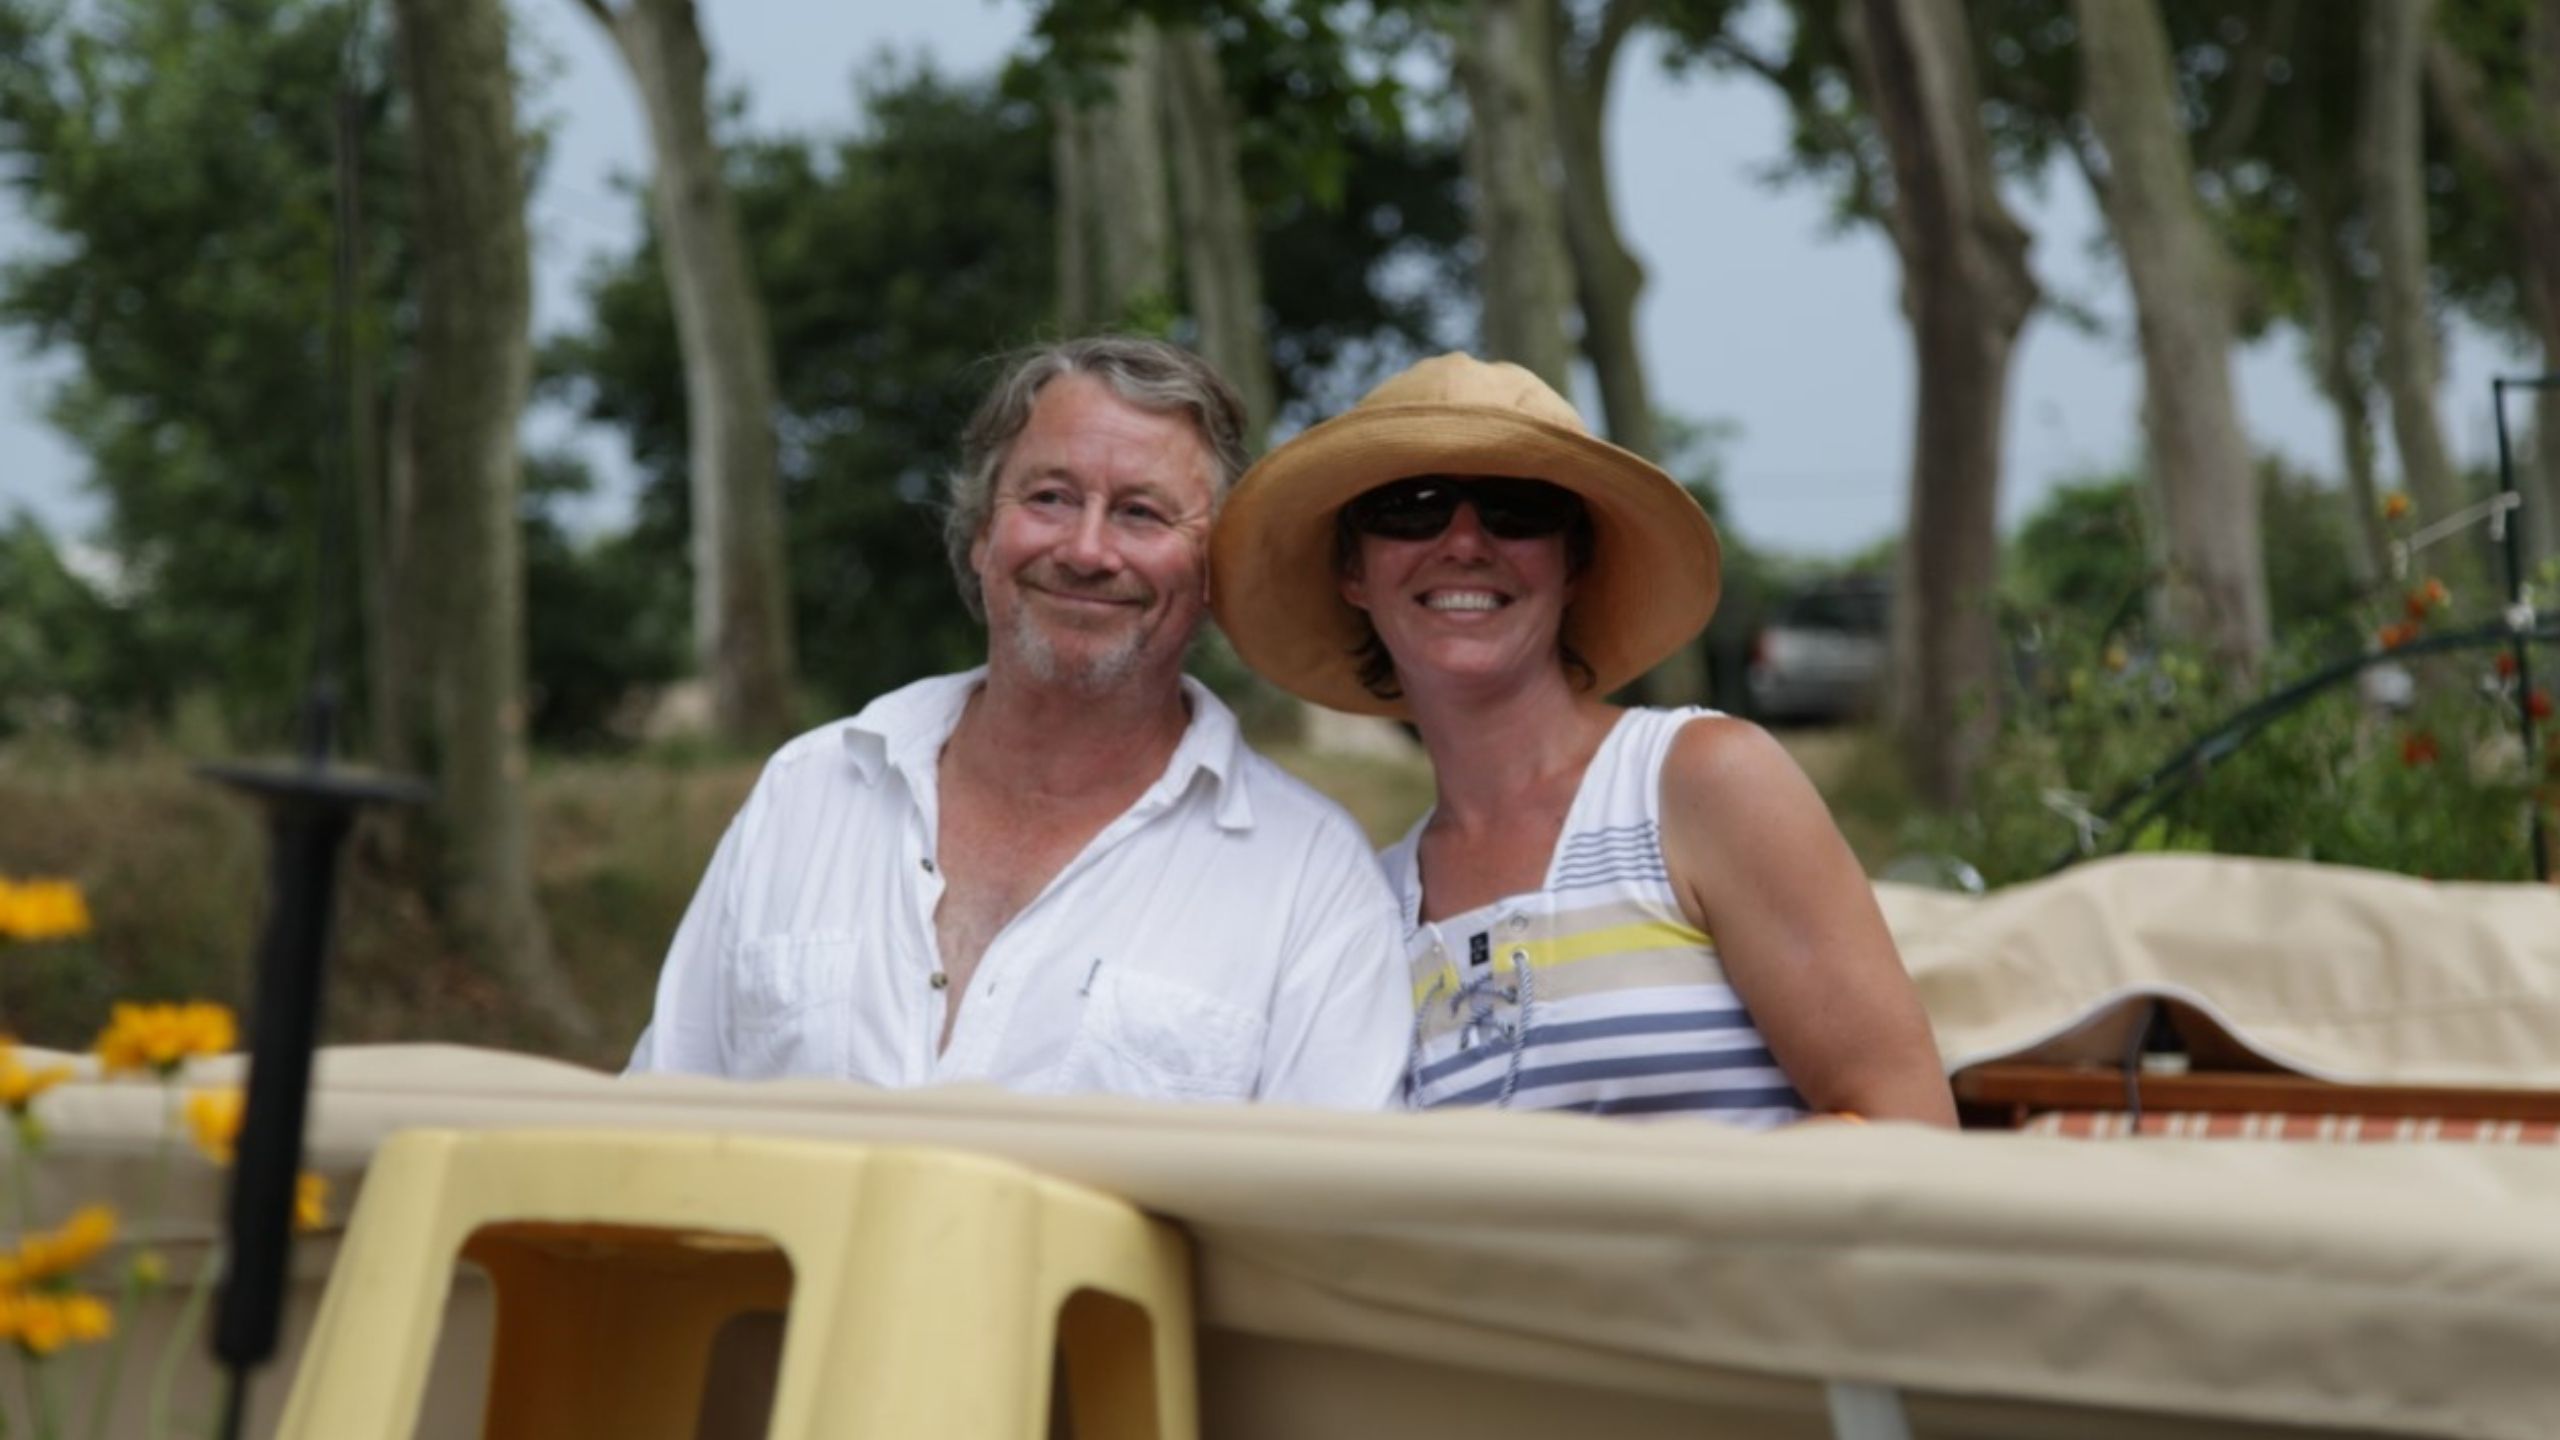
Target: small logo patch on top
[{"x": 1480, "y": 948}]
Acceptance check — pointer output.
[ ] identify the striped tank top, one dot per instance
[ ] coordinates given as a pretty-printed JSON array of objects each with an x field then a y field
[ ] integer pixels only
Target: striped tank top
[{"x": 1594, "y": 992}]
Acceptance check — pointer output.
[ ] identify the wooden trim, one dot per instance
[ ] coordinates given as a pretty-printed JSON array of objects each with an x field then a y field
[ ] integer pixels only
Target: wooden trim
[{"x": 2027, "y": 1089}]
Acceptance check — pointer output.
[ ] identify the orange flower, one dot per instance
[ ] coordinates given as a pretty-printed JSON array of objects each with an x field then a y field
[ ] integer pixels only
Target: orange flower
[
  {"x": 2395, "y": 505},
  {"x": 2393, "y": 636},
  {"x": 2416, "y": 606},
  {"x": 40, "y": 1324},
  {"x": 310, "y": 1202},
  {"x": 213, "y": 1121},
  {"x": 2418, "y": 748},
  {"x": 2434, "y": 593},
  {"x": 2537, "y": 704},
  {"x": 42, "y": 910},
  {"x": 2505, "y": 665},
  {"x": 159, "y": 1038},
  {"x": 19, "y": 1086},
  {"x": 45, "y": 1256}
]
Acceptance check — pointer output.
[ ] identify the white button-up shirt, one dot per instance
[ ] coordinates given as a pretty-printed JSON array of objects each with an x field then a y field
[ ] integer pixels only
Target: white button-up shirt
[{"x": 1229, "y": 937}]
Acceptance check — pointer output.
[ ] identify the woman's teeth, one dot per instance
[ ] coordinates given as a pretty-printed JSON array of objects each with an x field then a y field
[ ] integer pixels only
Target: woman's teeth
[{"x": 1462, "y": 600}]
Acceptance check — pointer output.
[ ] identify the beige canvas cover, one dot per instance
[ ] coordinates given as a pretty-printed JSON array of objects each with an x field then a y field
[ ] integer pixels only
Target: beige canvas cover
[
  {"x": 1496, "y": 1274},
  {"x": 2330, "y": 971}
]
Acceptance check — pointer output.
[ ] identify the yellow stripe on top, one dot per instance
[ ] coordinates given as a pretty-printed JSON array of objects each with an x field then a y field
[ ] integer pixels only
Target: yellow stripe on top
[{"x": 1587, "y": 945}]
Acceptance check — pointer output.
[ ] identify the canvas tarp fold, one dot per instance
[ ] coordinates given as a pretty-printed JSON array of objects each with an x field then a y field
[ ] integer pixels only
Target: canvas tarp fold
[{"x": 2329, "y": 971}]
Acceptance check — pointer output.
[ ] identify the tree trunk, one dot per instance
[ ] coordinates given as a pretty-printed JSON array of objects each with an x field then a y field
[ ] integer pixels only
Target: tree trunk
[
  {"x": 1967, "y": 291},
  {"x": 2182, "y": 294},
  {"x": 2527, "y": 166},
  {"x": 2329, "y": 289},
  {"x": 1115, "y": 239},
  {"x": 474, "y": 360},
  {"x": 1526, "y": 283},
  {"x": 1607, "y": 278},
  {"x": 1218, "y": 256},
  {"x": 2390, "y": 154},
  {"x": 741, "y": 587}
]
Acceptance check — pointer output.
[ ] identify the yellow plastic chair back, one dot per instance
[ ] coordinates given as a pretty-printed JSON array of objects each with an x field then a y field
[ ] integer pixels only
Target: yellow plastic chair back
[{"x": 927, "y": 1292}]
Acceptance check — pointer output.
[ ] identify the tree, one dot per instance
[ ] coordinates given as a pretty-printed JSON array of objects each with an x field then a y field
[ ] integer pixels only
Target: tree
[
  {"x": 1502, "y": 61},
  {"x": 1115, "y": 219},
  {"x": 2493, "y": 75},
  {"x": 2390, "y": 147},
  {"x": 741, "y": 612},
  {"x": 890, "y": 287},
  {"x": 180, "y": 155},
  {"x": 1285, "y": 121},
  {"x": 1887, "y": 109},
  {"x": 473, "y": 362},
  {"x": 1608, "y": 280},
  {"x": 1223, "y": 273},
  {"x": 2184, "y": 301}
]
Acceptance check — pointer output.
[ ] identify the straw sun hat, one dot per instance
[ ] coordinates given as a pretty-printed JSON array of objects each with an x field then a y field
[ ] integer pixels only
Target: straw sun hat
[{"x": 1655, "y": 566}]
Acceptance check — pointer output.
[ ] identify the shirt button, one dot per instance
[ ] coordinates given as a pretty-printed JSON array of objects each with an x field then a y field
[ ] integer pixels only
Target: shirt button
[
  {"x": 928, "y": 864},
  {"x": 1517, "y": 923},
  {"x": 941, "y": 981}
]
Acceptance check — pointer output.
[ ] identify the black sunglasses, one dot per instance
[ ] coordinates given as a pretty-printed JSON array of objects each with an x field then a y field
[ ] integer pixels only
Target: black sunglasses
[{"x": 1421, "y": 508}]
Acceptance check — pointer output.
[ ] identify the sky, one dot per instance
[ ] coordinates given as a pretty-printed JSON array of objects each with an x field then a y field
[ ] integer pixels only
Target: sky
[{"x": 1756, "y": 313}]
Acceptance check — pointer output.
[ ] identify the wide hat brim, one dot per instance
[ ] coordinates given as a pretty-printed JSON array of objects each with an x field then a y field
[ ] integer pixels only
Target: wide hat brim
[{"x": 1656, "y": 567}]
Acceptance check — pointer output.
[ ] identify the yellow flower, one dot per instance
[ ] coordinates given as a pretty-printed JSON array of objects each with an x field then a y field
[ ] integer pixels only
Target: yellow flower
[
  {"x": 43, "y": 1257},
  {"x": 150, "y": 1269},
  {"x": 42, "y": 1324},
  {"x": 213, "y": 1119},
  {"x": 159, "y": 1038},
  {"x": 42, "y": 910},
  {"x": 310, "y": 1202},
  {"x": 2395, "y": 504},
  {"x": 19, "y": 1086}
]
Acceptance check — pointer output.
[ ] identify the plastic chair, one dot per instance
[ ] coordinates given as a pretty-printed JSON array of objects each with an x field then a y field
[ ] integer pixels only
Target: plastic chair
[{"x": 927, "y": 1291}]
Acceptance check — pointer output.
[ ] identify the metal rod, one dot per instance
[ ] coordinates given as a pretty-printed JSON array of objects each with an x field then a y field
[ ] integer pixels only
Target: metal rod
[{"x": 2519, "y": 615}]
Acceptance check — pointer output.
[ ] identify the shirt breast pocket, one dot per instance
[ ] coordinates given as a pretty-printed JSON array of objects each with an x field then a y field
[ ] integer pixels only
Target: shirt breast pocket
[
  {"x": 1153, "y": 1038},
  {"x": 787, "y": 1001}
]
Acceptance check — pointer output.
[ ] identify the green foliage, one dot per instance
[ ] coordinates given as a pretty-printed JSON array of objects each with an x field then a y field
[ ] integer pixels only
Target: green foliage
[
  {"x": 2438, "y": 791},
  {"x": 71, "y": 661},
  {"x": 602, "y": 615},
  {"x": 181, "y": 151},
  {"x": 2097, "y": 705},
  {"x": 891, "y": 289}
]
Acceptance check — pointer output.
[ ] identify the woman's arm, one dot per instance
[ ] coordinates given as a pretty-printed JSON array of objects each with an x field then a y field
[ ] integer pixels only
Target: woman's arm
[{"x": 1759, "y": 866}]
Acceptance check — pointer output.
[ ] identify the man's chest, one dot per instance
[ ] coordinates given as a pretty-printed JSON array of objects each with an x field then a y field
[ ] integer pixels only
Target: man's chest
[{"x": 995, "y": 860}]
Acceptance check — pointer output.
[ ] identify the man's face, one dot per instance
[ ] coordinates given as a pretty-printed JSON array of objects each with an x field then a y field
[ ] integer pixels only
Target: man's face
[{"x": 1094, "y": 557}]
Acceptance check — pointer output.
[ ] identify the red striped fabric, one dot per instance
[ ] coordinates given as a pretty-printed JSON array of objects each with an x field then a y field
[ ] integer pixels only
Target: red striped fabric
[{"x": 2334, "y": 1129}]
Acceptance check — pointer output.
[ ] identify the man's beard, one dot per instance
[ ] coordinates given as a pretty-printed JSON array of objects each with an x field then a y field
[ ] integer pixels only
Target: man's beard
[{"x": 1095, "y": 672}]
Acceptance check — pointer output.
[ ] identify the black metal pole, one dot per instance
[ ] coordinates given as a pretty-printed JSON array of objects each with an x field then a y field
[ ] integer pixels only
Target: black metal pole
[
  {"x": 2522, "y": 653},
  {"x": 310, "y": 808}
]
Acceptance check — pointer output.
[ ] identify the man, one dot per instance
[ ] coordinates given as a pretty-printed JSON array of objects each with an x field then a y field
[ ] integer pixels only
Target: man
[{"x": 1064, "y": 872}]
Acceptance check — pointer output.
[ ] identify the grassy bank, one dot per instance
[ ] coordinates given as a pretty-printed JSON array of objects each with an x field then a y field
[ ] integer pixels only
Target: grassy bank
[{"x": 175, "y": 872}]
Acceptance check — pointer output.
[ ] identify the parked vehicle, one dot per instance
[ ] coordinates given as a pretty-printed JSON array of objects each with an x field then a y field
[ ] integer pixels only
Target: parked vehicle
[{"x": 1822, "y": 654}]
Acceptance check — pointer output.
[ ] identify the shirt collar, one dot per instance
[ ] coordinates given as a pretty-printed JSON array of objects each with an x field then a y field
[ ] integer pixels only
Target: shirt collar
[{"x": 908, "y": 727}]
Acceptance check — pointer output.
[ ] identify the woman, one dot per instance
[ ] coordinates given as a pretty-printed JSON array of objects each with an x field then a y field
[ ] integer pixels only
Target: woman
[{"x": 1627, "y": 911}]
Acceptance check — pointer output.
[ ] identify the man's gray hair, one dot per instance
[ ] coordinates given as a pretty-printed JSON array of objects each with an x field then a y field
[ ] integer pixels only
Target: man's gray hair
[{"x": 1150, "y": 374}]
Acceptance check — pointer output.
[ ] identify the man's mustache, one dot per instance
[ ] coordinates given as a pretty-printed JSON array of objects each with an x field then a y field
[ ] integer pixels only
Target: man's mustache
[{"x": 1059, "y": 583}]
